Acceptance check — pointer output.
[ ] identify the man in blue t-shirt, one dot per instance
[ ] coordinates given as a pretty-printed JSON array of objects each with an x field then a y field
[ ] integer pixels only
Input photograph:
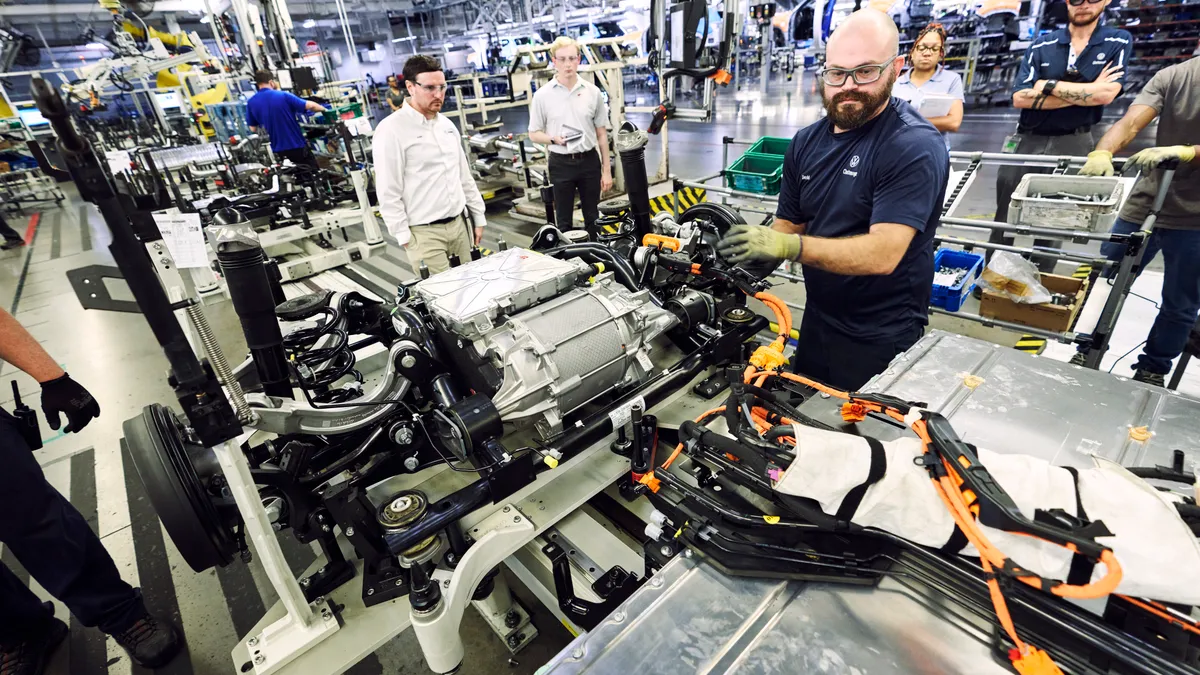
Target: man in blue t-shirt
[
  {"x": 276, "y": 112},
  {"x": 860, "y": 201}
]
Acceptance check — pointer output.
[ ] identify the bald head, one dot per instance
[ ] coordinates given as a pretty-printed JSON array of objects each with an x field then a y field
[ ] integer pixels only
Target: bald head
[
  {"x": 861, "y": 65},
  {"x": 866, "y": 36}
]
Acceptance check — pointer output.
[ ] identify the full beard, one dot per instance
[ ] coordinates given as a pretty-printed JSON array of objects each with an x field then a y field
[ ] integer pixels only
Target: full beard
[{"x": 869, "y": 104}]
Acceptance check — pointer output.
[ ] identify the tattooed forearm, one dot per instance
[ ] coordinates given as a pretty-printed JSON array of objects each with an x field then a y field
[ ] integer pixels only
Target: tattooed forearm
[{"x": 1080, "y": 97}]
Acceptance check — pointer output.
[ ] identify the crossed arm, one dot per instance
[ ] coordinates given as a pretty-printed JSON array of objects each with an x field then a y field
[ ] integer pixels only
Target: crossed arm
[
  {"x": 877, "y": 252},
  {"x": 1103, "y": 91}
]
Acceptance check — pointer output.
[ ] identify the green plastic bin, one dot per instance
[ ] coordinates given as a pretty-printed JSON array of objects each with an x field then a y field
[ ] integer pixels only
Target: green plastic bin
[
  {"x": 756, "y": 173},
  {"x": 770, "y": 145}
]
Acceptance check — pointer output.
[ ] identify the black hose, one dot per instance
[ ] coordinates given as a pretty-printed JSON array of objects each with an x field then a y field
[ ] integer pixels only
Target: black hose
[
  {"x": 592, "y": 252},
  {"x": 722, "y": 57},
  {"x": 417, "y": 326},
  {"x": 346, "y": 460}
]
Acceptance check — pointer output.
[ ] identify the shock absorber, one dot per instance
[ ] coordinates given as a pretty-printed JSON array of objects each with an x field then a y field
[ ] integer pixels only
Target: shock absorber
[
  {"x": 243, "y": 264},
  {"x": 631, "y": 145}
]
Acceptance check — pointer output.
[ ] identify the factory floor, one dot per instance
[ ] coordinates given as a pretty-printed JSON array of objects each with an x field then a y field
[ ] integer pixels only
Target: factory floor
[{"x": 115, "y": 356}]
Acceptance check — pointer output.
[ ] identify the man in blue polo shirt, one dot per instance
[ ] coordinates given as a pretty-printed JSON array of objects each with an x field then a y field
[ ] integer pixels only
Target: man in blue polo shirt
[
  {"x": 860, "y": 201},
  {"x": 276, "y": 112},
  {"x": 1065, "y": 79}
]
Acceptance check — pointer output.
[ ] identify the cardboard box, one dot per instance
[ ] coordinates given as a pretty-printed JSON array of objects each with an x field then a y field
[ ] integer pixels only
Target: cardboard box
[{"x": 1049, "y": 317}]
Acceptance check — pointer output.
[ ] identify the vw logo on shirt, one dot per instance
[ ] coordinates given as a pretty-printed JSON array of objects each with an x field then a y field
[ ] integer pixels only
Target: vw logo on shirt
[{"x": 854, "y": 162}]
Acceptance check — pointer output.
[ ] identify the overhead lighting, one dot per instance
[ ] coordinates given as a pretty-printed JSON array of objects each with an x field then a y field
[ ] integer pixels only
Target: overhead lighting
[
  {"x": 95, "y": 45},
  {"x": 405, "y": 38},
  {"x": 449, "y": 46},
  {"x": 309, "y": 23}
]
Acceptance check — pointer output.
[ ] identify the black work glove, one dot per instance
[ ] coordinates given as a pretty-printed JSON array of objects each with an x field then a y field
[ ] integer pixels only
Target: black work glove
[{"x": 64, "y": 395}]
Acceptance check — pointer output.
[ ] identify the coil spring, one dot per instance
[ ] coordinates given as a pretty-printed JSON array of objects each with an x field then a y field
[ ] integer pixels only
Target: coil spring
[
  {"x": 216, "y": 357},
  {"x": 318, "y": 368}
]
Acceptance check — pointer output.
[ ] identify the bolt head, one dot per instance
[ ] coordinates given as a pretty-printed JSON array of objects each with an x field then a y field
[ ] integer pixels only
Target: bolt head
[
  {"x": 399, "y": 582},
  {"x": 578, "y": 653},
  {"x": 507, "y": 509},
  {"x": 259, "y": 660},
  {"x": 665, "y": 550},
  {"x": 619, "y": 617},
  {"x": 349, "y": 531},
  {"x": 252, "y": 641},
  {"x": 687, "y": 553},
  {"x": 656, "y": 582},
  {"x": 516, "y": 519},
  {"x": 408, "y": 361},
  {"x": 446, "y": 584},
  {"x": 370, "y": 591},
  {"x": 411, "y": 463}
]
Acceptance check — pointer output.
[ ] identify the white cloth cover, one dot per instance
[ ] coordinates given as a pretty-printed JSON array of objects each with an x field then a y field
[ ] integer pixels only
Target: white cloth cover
[{"x": 1158, "y": 553}]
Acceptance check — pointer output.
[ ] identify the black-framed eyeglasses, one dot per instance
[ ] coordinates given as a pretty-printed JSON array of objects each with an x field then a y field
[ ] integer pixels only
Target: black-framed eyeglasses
[
  {"x": 1076, "y": 3},
  {"x": 836, "y": 77},
  {"x": 928, "y": 49}
]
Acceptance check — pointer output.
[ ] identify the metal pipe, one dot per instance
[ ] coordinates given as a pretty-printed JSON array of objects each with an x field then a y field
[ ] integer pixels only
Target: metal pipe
[
  {"x": 730, "y": 192},
  {"x": 1065, "y": 337},
  {"x": 787, "y": 275},
  {"x": 1025, "y": 229},
  {"x": 1038, "y": 252}
]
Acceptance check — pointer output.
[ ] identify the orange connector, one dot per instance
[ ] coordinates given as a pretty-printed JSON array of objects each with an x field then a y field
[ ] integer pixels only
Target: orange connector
[
  {"x": 722, "y": 77},
  {"x": 768, "y": 357},
  {"x": 853, "y": 412},
  {"x": 658, "y": 240}
]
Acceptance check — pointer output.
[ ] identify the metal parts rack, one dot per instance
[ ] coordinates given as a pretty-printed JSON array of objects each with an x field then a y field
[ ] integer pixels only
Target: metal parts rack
[{"x": 1093, "y": 339}]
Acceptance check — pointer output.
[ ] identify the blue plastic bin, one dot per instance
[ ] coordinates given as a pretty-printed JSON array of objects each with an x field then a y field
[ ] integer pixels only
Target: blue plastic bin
[{"x": 951, "y": 297}]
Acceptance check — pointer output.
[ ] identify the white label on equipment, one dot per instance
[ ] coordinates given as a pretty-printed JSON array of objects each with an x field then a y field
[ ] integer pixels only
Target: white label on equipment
[
  {"x": 118, "y": 160},
  {"x": 359, "y": 126},
  {"x": 182, "y": 234},
  {"x": 620, "y": 416}
]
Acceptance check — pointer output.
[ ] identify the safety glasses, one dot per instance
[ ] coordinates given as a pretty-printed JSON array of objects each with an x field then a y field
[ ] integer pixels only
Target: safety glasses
[{"x": 836, "y": 77}]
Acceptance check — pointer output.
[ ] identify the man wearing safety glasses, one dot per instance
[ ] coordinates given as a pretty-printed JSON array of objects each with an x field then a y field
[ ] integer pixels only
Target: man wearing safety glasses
[
  {"x": 1065, "y": 79},
  {"x": 860, "y": 200},
  {"x": 427, "y": 195}
]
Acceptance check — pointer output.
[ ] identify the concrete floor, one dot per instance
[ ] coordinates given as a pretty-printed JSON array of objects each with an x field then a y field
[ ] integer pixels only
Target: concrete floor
[{"x": 115, "y": 356}]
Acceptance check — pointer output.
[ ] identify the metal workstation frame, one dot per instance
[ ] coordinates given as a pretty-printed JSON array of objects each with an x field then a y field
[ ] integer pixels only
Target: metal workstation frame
[{"x": 1095, "y": 343}]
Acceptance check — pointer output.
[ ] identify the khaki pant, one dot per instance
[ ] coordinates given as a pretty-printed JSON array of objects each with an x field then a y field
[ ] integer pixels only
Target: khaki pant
[{"x": 435, "y": 243}]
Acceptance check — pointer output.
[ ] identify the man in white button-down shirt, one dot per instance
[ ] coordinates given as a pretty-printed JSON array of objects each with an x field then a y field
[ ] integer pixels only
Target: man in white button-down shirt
[
  {"x": 422, "y": 177},
  {"x": 570, "y": 116}
]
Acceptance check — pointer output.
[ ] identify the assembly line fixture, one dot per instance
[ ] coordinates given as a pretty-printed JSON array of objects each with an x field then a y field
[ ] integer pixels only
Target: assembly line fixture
[{"x": 1094, "y": 343}]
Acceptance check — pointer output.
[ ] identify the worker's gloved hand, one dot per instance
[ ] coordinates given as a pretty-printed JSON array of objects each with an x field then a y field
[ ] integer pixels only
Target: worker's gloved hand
[
  {"x": 755, "y": 243},
  {"x": 1099, "y": 163},
  {"x": 1150, "y": 158},
  {"x": 66, "y": 396}
]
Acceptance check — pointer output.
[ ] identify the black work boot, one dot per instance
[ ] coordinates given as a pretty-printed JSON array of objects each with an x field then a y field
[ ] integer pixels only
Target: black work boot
[
  {"x": 1147, "y": 377},
  {"x": 151, "y": 643},
  {"x": 29, "y": 656}
]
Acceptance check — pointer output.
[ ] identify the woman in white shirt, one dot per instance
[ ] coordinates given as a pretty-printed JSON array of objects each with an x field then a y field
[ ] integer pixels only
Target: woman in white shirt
[{"x": 928, "y": 86}]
